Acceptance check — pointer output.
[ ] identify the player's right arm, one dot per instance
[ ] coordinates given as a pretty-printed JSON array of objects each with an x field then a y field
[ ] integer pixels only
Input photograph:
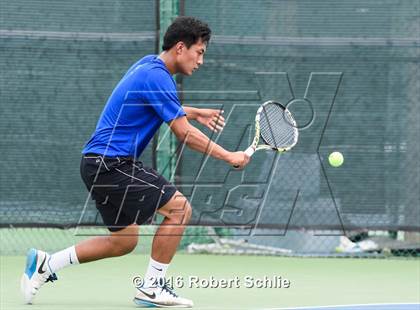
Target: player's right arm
[{"x": 198, "y": 141}]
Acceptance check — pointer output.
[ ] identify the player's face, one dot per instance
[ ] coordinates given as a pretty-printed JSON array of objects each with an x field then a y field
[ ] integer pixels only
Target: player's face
[{"x": 190, "y": 59}]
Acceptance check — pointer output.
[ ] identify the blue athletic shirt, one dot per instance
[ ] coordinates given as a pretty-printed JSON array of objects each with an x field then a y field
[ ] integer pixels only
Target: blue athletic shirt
[{"x": 144, "y": 98}]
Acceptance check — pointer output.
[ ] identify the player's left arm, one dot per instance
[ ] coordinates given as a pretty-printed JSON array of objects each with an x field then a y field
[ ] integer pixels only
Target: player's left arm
[{"x": 211, "y": 118}]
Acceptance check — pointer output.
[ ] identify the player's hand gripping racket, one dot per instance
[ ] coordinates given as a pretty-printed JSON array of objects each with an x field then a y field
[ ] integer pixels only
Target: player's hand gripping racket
[{"x": 275, "y": 128}]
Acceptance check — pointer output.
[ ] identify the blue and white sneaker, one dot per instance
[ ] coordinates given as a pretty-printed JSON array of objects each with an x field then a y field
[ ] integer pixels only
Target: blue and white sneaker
[
  {"x": 161, "y": 296},
  {"x": 37, "y": 272}
]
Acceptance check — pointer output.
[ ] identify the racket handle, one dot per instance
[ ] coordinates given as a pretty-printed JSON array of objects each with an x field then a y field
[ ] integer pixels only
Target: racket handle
[{"x": 249, "y": 151}]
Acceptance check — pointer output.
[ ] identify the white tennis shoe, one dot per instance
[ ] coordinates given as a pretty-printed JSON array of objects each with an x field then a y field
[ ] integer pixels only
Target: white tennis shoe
[
  {"x": 37, "y": 273},
  {"x": 161, "y": 296}
]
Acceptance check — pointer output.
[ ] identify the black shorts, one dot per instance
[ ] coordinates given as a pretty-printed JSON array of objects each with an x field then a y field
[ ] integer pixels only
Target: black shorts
[{"x": 125, "y": 191}]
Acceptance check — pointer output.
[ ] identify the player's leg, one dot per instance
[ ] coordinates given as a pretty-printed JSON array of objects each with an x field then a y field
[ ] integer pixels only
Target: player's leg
[
  {"x": 155, "y": 291},
  {"x": 177, "y": 213},
  {"x": 122, "y": 240},
  {"x": 118, "y": 243},
  {"x": 41, "y": 267}
]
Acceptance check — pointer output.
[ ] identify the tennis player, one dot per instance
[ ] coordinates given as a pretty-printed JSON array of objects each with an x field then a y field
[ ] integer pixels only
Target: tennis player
[{"x": 126, "y": 192}]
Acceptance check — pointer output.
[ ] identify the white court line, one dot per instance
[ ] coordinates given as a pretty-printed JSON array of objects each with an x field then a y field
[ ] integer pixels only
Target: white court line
[{"x": 342, "y": 306}]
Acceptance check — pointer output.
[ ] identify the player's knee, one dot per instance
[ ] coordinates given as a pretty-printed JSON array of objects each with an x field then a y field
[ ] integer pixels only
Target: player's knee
[
  {"x": 178, "y": 210},
  {"x": 123, "y": 245},
  {"x": 182, "y": 212},
  {"x": 130, "y": 245}
]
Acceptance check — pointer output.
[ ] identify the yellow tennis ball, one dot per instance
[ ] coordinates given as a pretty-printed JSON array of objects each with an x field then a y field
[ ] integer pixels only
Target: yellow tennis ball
[{"x": 336, "y": 159}]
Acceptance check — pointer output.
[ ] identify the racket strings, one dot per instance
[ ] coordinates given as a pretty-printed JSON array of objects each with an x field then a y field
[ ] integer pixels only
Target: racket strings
[{"x": 277, "y": 126}]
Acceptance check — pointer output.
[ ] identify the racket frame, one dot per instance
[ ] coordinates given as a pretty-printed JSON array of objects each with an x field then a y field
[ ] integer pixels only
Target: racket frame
[{"x": 255, "y": 146}]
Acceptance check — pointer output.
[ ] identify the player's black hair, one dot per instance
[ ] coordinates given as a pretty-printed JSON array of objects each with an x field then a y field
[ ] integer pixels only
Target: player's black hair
[{"x": 188, "y": 30}]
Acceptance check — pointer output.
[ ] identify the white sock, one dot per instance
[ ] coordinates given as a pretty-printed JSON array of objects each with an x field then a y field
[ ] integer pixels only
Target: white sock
[
  {"x": 63, "y": 259},
  {"x": 154, "y": 273}
]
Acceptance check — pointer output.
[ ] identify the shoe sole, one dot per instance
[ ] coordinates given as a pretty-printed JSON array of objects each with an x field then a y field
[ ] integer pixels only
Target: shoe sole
[
  {"x": 149, "y": 304},
  {"x": 24, "y": 284}
]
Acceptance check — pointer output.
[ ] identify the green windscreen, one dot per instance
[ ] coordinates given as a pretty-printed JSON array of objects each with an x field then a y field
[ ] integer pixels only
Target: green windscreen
[
  {"x": 59, "y": 63},
  {"x": 347, "y": 70}
]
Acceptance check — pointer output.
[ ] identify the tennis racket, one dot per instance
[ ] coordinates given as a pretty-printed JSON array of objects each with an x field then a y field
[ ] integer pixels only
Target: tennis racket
[{"x": 275, "y": 129}]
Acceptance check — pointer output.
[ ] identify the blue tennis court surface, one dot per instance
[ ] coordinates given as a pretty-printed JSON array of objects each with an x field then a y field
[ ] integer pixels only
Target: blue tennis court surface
[{"x": 361, "y": 307}]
